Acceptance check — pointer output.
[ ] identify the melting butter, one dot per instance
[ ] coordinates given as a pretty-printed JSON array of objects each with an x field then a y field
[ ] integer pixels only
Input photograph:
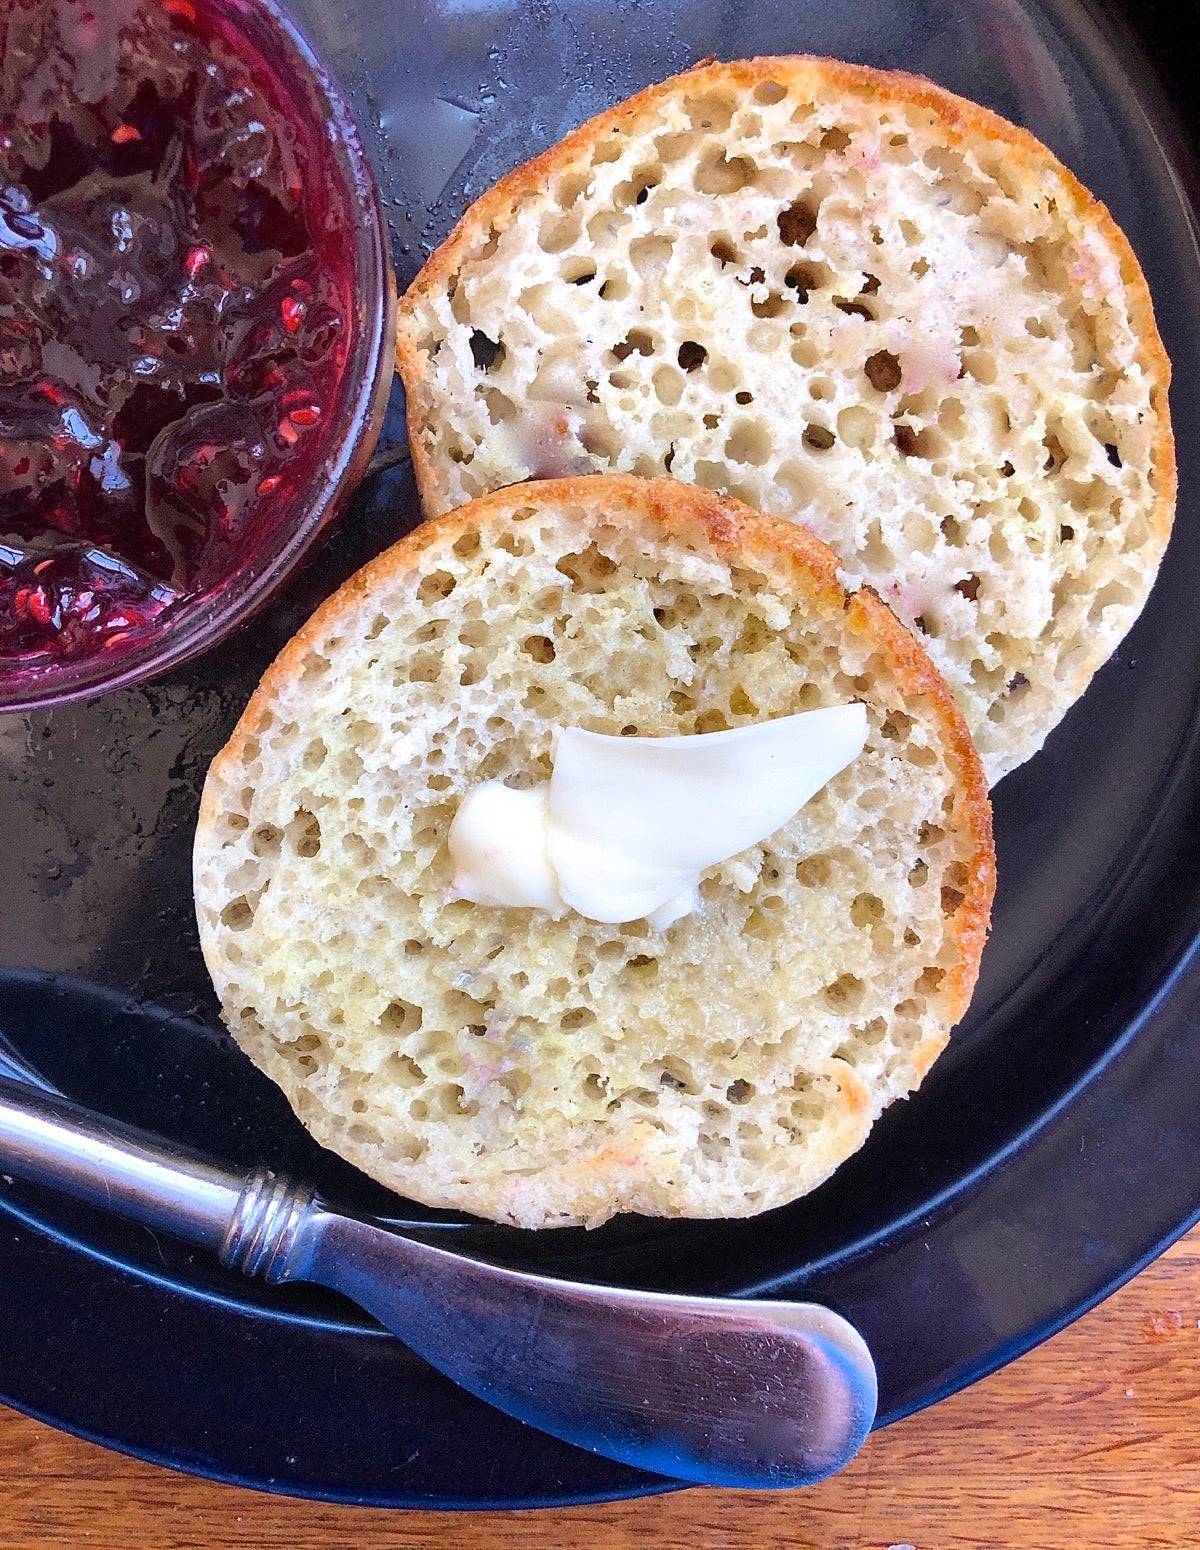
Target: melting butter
[{"x": 626, "y": 825}]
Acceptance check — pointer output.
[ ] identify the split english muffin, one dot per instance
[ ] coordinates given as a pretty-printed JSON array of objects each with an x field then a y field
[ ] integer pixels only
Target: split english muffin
[
  {"x": 541, "y": 1069},
  {"x": 850, "y": 299}
]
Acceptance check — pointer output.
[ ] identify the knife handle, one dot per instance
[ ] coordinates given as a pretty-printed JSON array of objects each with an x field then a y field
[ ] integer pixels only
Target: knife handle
[{"x": 251, "y": 1223}]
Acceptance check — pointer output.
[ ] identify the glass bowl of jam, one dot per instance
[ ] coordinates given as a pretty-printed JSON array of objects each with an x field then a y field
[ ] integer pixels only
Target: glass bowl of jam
[{"x": 196, "y": 317}]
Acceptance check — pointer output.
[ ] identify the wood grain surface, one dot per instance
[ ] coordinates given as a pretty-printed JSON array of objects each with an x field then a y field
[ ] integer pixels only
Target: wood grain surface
[{"x": 1091, "y": 1442}]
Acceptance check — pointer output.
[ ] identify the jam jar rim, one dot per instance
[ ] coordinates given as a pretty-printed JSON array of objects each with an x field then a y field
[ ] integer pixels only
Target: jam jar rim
[{"x": 212, "y": 614}]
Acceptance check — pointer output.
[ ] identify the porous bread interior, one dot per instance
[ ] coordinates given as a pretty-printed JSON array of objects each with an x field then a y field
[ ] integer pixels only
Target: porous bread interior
[
  {"x": 544, "y": 1071},
  {"x": 847, "y": 299}
]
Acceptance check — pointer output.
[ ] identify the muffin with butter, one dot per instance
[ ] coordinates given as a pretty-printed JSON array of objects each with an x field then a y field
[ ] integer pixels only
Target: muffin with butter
[{"x": 593, "y": 850}]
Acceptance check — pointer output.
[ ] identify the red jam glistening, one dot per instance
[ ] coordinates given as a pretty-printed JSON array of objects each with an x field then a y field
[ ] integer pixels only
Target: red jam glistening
[{"x": 173, "y": 299}]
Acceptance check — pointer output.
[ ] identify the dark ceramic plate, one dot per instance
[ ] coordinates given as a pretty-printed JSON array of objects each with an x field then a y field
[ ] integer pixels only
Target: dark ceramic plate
[{"x": 1056, "y": 1146}]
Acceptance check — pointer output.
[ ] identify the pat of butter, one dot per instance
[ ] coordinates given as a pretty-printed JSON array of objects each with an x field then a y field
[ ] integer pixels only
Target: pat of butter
[{"x": 626, "y": 825}]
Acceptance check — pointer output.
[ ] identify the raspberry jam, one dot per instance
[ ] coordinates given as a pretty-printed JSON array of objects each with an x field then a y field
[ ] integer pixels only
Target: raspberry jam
[{"x": 175, "y": 290}]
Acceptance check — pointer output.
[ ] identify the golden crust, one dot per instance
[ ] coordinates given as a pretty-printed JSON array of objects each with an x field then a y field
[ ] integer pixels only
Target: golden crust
[{"x": 637, "y": 1168}]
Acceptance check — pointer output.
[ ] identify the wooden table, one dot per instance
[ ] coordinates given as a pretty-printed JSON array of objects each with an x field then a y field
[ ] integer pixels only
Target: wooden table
[{"x": 1090, "y": 1443}]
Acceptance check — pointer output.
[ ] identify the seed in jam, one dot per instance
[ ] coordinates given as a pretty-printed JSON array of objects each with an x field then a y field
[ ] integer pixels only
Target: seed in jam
[
  {"x": 173, "y": 295},
  {"x": 71, "y": 600}
]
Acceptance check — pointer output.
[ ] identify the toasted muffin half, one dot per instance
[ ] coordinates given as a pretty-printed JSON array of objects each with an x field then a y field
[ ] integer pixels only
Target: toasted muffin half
[
  {"x": 545, "y": 1071},
  {"x": 847, "y": 298}
]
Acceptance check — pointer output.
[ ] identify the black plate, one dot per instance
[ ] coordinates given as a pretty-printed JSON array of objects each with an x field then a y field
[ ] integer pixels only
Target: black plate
[{"x": 1054, "y": 1149}]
